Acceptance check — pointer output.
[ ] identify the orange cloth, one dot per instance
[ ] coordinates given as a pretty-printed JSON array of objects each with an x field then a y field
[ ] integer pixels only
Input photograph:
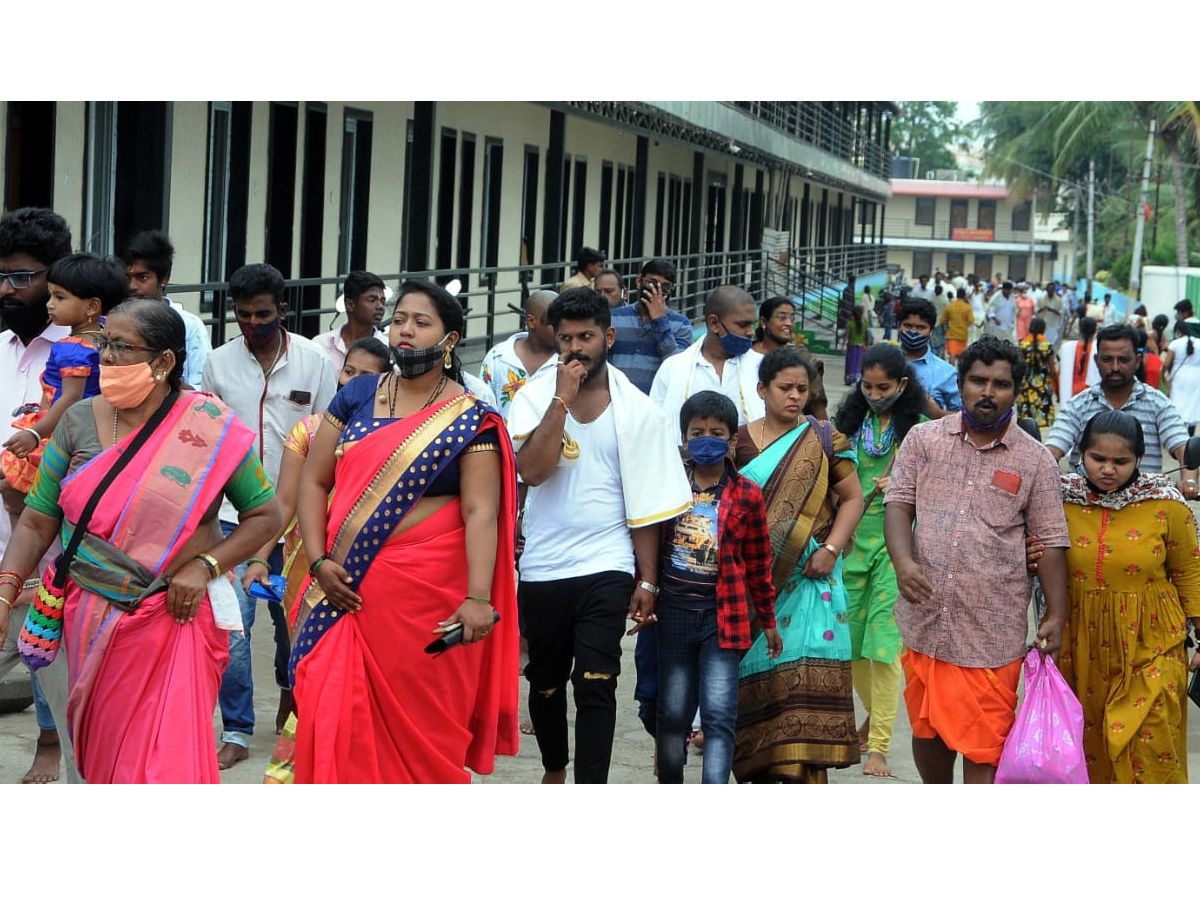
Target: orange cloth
[
  {"x": 955, "y": 348},
  {"x": 971, "y": 710}
]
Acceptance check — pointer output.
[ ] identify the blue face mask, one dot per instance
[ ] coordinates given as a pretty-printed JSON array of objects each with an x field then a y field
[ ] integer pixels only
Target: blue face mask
[
  {"x": 913, "y": 341},
  {"x": 734, "y": 344},
  {"x": 707, "y": 451}
]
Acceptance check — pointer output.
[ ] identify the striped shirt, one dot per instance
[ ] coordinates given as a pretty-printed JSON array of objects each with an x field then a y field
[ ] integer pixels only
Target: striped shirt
[
  {"x": 1161, "y": 422},
  {"x": 640, "y": 347}
]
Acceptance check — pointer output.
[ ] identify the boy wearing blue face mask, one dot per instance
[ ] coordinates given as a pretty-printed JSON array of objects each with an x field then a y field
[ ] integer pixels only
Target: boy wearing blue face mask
[
  {"x": 715, "y": 563},
  {"x": 917, "y": 319}
]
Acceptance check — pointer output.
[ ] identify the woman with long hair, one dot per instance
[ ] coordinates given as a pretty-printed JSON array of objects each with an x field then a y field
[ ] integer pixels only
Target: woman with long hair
[
  {"x": 1158, "y": 334},
  {"x": 877, "y": 416},
  {"x": 858, "y": 336},
  {"x": 796, "y": 711},
  {"x": 1039, "y": 385},
  {"x": 1182, "y": 363},
  {"x": 140, "y": 598},
  {"x": 1077, "y": 361},
  {"x": 776, "y": 319},
  {"x": 416, "y": 541}
]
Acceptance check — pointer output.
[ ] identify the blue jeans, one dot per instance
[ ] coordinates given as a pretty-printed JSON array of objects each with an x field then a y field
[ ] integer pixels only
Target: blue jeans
[
  {"x": 237, "y": 686},
  {"x": 645, "y": 688},
  {"x": 692, "y": 666},
  {"x": 41, "y": 707}
]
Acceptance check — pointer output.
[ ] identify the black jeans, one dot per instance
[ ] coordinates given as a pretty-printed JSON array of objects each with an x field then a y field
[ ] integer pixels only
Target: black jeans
[{"x": 574, "y": 628}]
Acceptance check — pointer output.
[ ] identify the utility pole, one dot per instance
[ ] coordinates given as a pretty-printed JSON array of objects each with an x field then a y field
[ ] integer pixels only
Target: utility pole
[
  {"x": 1091, "y": 228},
  {"x": 1033, "y": 273},
  {"x": 1135, "y": 270}
]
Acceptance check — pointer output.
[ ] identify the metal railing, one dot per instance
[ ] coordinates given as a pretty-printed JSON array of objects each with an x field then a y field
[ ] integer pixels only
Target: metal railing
[
  {"x": 494, "y": 302},
  {"x": 823, "y": 129},
  {"x": 942, "y": 230}
]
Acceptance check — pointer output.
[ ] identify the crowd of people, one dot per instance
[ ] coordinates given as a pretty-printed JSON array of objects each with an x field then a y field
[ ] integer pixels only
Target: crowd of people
[{"x": 423, "y": 537}]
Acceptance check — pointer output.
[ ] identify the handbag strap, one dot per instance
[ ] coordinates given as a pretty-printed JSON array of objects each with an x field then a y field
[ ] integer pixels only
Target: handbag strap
[
  {"x": 63, "y": 563},
  {"x": 877, "y": 491}
]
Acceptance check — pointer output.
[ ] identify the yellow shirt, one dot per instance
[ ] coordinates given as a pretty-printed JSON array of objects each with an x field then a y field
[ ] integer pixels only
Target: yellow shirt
[{"x": 958, "y": 318}]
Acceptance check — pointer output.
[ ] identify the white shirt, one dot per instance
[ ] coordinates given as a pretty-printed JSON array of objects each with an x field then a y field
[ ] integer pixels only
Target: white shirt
[
  {"x": 697, "y": 374},
  {"x": 1111, "y": 316},
  {"x": 335, "y": 348},
  {"x": 560, "y": 540},
  {"x": 199, "y": 344},
  {"x": 270, "y": 407},
  {"x": 21, "y": 367}
]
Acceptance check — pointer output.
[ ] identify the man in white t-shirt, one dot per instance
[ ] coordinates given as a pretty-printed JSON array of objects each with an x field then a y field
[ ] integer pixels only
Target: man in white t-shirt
[{"x": 603, "y": 473}]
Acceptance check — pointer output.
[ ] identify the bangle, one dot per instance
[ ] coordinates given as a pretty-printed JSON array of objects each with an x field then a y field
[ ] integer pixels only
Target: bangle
[
  {"x": 647, "y": 586},
  {"x": 37, "y": 437},
  {"x": 31, "y": 583},
  {"x": 210, "y": 563},
  {"x": 258, "y": 559},
  {"x": 832, "y": 549},
  {"x": 10, "y": 572},
  {"x": 480, "y": 599},
  {"x": 7, "y": 603},
  {"x": 316, "y": 564},
  {"x": 563, "y": 402}
]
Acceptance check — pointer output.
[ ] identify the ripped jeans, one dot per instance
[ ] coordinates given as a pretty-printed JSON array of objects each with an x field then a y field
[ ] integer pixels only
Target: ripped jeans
[{"x": 574, "y": 628}]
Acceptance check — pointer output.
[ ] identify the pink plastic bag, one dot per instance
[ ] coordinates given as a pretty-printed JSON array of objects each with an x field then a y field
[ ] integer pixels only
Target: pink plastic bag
[{"x": 1045, "y": 745}]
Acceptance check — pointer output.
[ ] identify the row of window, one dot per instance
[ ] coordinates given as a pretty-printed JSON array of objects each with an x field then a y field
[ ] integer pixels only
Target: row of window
[
  {"x": 984, "y": 264},
  {"x": 985, "y": 216}
]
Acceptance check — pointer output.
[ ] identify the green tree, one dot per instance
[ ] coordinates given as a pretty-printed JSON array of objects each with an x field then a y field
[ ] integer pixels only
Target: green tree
[{"x": 928, "y": 130}]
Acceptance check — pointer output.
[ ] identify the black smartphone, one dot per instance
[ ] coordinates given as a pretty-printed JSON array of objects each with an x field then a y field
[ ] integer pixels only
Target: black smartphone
[
  {"x": 302, "y": 398},
  {"x": 453, "y": 637}
]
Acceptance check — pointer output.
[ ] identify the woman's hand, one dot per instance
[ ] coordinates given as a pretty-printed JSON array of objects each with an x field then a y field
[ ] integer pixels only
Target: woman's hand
[
  {"x": 477, "y": 619},
  {"x": 255, "y": 572},
  {"x": 188, "y": 588},
  {"x": 774, "y": 642},
  {"x": 820, "y": 564},
  {"x": 882, "y": 482},
  {"x": 21, "y": 444},
  {"x": 335, "y": 581},
  {"x": 1033, "y": 552}
]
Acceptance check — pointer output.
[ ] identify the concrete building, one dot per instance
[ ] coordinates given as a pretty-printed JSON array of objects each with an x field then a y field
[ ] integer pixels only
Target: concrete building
[
  {"x": 499, "y": 195},
  {"x": 964, "y": 226}
]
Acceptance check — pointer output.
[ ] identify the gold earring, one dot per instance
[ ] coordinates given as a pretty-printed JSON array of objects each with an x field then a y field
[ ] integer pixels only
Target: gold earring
[{"x": 448, "y": 357}]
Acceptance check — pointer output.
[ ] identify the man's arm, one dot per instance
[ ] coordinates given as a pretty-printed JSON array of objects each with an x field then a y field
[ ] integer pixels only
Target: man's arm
[
  {"x": 681, "y": 334},
  {"x": 1052, "y": 574},
  {"x": 1065, "y": 430},
  {"x": 538, "y": 457},
  {"x": 645, "y": 553},
  {"x": 898, "y": 521}
]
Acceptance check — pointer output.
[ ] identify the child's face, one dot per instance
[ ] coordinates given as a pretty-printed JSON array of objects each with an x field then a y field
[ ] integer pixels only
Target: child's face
[
  {"x": 67, "y": 309},
  {"x": 359, "y": 362},
  {"x": 707, "y": 426}
]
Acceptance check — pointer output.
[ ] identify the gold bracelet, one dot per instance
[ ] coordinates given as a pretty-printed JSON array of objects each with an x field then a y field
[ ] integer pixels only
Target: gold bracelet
[
  {"x": 480, "y": 599},
  {"x": 10, "y": 578},
  {"x": 214, "y": 567},
  {"x": 7, "y": 603},
  {"x": 563, "y": 402}
]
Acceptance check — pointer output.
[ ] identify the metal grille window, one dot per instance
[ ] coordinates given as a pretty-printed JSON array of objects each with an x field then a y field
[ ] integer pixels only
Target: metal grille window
[{"x": 926, "y": 209}]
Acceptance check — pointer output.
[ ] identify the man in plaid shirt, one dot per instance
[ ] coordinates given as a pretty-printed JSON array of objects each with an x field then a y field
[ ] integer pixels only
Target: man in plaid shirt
[{"x": 716, "y": 561}]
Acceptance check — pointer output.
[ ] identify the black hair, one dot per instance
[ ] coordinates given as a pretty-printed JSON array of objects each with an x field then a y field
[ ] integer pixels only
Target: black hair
[
  {"x": 962, "y": 293},
  {"x": 708, "y": 405},
  {"x": 375, "y": 347},
  {"x": 988, "y": 350},
  {"x": 615, "y": 274},
  {"x": 917, "y": 306},
  {"x": 1114, "y": 421},
  {"x": 783, "y": 358},
  {"x": 1037, "y": 325},
  {"x": 661, "y": 267},
  {"x": 768, "y": 309},
  {"x": 358, "y": 283},
  {"x": 908, "y": 408},
  {"x": 587, "y": 256},
  {"x": 1087, "y": 334},
  {"x": 1159, "y": 325},
  {"x": 1119, "y": 332},
  {"x": 1142, "y": 340},
  {"x": 578, "y": 305},
  {"x": 35, "y": 231},
  {"x": 1184, "y": 306},
  {"x": 160, "y": 328},
  {"x": 154, "y": 249},
  {"x": 86, "y": 275},
  {"x": 448, "y": 309},
  {"x": 254, "y": 279}
]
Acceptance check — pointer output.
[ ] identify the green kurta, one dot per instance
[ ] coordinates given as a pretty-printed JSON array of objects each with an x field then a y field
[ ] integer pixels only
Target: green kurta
[{"x": 868, "y": 574}]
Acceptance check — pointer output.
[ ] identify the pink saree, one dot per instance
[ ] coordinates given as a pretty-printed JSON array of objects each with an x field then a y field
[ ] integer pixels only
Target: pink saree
[{"x": 143, "y": 688}]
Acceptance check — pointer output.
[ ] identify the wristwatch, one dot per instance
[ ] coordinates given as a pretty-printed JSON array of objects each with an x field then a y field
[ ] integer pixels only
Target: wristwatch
[{"x": 647, "y": 586}]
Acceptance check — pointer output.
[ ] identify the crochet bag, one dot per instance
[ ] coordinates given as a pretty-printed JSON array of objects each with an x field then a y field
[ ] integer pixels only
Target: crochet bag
[{"x": 42, "y": 631}]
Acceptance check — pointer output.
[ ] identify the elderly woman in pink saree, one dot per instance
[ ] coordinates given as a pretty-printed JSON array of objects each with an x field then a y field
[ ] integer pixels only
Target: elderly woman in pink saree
[{"x": 143, "y": 468}]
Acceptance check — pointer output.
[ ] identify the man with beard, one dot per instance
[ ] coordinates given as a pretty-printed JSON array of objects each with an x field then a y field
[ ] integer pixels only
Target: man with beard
[
  {"x": 603, "y": 473},
  {"x": 963, "y": 493},
  {"x": 31, "y": 240},
  {"x": 1116, "y": 360},
  {"x": 271, "y": 379},
  {"x": 148, "y": 261}
]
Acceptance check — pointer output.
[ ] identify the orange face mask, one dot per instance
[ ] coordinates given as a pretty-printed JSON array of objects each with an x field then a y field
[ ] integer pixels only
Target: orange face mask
[{"x": 126, "y": 387}]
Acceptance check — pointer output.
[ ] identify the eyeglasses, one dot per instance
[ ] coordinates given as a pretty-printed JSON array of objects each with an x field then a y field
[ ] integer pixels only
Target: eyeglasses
[
  {"x": 120, "y": 348},
  {"x": 783, "y": 317},
  {"x": 18, "y": 281}
]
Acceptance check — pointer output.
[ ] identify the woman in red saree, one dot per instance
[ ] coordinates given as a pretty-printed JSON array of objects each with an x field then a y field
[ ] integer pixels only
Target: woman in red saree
[
  {"x": 417, "y": 540},
  {"x": 145, "y": 652}
]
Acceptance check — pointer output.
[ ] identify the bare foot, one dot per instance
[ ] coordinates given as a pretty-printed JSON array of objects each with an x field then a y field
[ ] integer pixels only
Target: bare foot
[
  {"x": 559, "y": 777},
  {"x": 230, "y": 755},
  {"x": 527, "y": 727},
  {"x": 877, "y": 765},
  {"x": 862, "y": 735},
  {"x": 45, "y": 760}
]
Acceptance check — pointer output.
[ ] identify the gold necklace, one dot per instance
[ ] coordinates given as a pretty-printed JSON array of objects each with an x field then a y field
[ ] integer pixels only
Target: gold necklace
[
  {"x": 763, "y": 433},
  {"x": 278, "y": 353},
  {"x": 114, "y": 442},
  {"x": 393, "y": 393},
  {"x": 579, "y": 421}
]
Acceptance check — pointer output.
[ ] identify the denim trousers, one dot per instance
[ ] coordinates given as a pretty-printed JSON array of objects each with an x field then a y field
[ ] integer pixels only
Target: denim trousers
[
  {"x": 693, "y": 667},
  {"x": 645, "y": 688},
  {"x": 574, "y": 628},
  {"x": 237, "y": 686}
]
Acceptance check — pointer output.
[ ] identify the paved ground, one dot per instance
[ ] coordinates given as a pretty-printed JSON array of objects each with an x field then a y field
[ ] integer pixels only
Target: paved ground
[{"x": 633, "y": 751}]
